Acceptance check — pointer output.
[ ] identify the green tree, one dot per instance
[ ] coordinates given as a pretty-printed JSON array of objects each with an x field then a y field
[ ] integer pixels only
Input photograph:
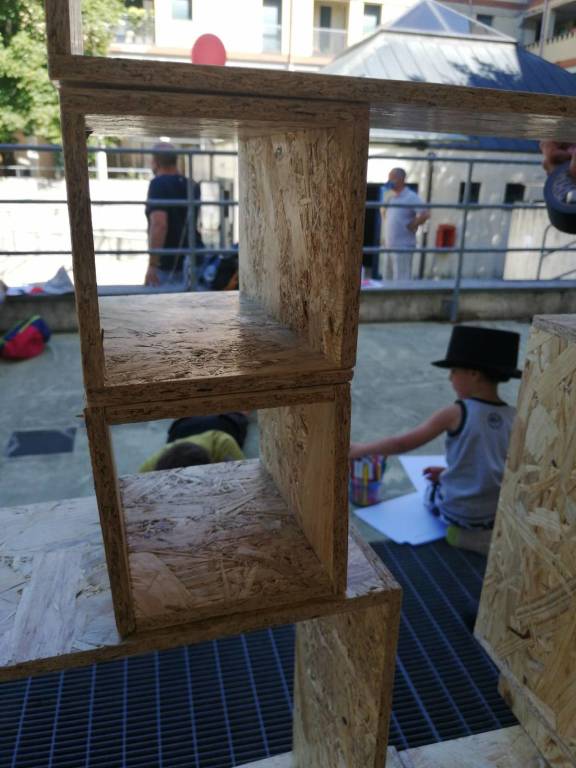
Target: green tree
[{"x": 28, "y": 100}]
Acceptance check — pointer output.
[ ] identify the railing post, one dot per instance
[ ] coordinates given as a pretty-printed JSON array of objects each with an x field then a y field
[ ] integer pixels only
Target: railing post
[
  {"x": 190, "y": 277},
  {"x": 454, "y": 304}
]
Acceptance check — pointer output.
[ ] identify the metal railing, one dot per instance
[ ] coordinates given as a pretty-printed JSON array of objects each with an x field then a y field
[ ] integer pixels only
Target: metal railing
[{"x": 460, "y": 249}]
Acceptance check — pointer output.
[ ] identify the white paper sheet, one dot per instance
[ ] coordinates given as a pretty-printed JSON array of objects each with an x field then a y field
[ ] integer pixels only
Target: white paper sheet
[{"x": 404, "y": 519}]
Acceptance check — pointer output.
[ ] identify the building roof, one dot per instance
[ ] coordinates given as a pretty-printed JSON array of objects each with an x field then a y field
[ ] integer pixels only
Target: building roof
[{"x": 434, "y": 44}]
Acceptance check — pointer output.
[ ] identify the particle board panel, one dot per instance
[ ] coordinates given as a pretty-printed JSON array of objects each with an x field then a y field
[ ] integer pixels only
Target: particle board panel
[
  {"x": 111, "y": 516},
  {"x": 305, "y": 449},
  {"x": 504, "y": 748},
  {"x": 181, "y": 345},
  {"x": 343, "y": 688},
  {"x": 302, "y": 199},
  {"x": 214, "y": 539},
  {"x": 112, "y": 112},
  {"x": 200, "y": 406},
  {"x": 393, "y": 104},
  {"x": 555, "y": 753},
  {"x": 82, "y": 237},
  {"x": 69, "y": 531},
  {"x": 527, "y": 616},
  {"x": 286, "y": 761}
]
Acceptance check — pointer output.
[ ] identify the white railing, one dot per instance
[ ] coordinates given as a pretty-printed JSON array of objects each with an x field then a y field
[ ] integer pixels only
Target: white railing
[{"x": 328, "y": 41}]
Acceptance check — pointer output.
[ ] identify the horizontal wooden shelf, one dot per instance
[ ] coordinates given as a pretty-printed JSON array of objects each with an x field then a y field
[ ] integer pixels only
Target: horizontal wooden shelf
[
  {"x": 172, "y": 346},
  {"x": 56, "y": 608},
  {"x": 208, "y": 540},
  {"x": 393, "y": 104}
]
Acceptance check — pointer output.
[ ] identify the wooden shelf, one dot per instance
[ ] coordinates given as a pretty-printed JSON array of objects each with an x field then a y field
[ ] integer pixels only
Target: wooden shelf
[
  {"x": 210, "y": 540},
  {"x": 56, "y": 610},
  {"x": 159, "y": 347},
  {"x": 392, "y": 104}
]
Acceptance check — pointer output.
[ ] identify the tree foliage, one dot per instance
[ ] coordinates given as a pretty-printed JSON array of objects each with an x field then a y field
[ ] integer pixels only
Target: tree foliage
[{"x": 28, "y": 100}]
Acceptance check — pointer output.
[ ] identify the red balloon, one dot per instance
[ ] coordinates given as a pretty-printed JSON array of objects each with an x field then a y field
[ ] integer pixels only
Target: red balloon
[{"x": 208, "y": 49}]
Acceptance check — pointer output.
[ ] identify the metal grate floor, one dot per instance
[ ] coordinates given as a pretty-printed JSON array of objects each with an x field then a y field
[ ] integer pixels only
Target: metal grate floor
[{"x": 228, "y": 702}]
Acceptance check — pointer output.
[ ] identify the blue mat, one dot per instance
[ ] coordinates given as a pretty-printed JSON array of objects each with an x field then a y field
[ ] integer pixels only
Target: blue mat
[{"x": 37, "y": 442}]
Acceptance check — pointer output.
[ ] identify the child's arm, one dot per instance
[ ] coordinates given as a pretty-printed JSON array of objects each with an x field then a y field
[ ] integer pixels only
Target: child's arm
[{"x": 445, "y": 420}]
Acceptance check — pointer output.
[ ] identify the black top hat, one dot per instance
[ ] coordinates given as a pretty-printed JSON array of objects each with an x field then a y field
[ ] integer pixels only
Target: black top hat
[{"x": 484, "y": 349}]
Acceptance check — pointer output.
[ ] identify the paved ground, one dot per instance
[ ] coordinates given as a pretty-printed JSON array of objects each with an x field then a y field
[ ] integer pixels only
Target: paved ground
[{"x": 394, "y": 388}]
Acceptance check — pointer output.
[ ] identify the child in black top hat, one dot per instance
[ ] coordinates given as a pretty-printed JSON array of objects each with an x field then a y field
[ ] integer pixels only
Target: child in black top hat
[{"x": 477, "y": 427}]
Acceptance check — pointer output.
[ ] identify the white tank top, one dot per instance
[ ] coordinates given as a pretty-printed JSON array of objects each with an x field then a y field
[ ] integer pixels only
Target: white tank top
[{"x": 475, "y": 455}]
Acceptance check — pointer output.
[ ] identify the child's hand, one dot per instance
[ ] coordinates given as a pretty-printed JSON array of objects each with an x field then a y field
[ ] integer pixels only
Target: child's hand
[{"x": 433, "y": 473}]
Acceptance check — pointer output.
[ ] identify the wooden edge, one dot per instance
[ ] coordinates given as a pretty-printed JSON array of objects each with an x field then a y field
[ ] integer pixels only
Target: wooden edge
[
  {"x": 123, "y": 414},
  {"x": 558, "y": 325},
  {"x": 126, "y": 73},
  {"x": 111, "y": 518},
  {"x": 546, "y": 740},
  {"x": 236, "y": 109},
  {"x": 285, "y": 761},
  {"x": 375, "y": 562},
  {"x": 63, "y": 30},
  {"x": 132, "y": 394}
]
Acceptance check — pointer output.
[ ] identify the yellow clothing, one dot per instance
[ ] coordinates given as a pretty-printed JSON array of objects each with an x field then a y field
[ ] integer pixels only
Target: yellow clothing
[{"x": 220, "y": 446}]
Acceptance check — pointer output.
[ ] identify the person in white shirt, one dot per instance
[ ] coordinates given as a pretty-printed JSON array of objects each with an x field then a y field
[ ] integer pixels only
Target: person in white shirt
[{"x": 402, "y": 224}]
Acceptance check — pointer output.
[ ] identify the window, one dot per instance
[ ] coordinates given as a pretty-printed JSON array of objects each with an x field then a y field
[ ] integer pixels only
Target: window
[
  {"x": 182, "y": 9},
  {"x": 325, "y": 17},
  {"x": 272, "y": 26},
  {"x": 371, "y": 18},
  {"x": 514, "y": 193},
  {"x": 484, "y": 19},
  {"x": 474, "y": 192}
]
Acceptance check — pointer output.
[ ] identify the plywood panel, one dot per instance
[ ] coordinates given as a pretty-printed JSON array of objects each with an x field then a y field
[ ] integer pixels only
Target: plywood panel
[
  {"x": 32, "y": 533},
  {"x": 79, "y": 212},
  {"x": 302, "y": 199},
  {"x": 527, "y": 618},
  {"x": 111, "y": 517},
  {"x": 286, "y": 761},
  {"x": 393, "y": 104},
  {"x": 214, "y": 539},
  {"x": 179, "y": 345},
  {"x": 305, "y": 449},
  {"x": 505, "y": 748},
  {"x": 555, "y": 753},
  {"x": 63, "y": 27},
  {"x": 343, "y": 688},
  {"x": 138, "y": 113},
  {"x": 200, "y": 406}
]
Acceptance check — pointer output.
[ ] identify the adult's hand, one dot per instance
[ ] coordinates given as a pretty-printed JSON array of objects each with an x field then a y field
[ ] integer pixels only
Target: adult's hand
[
  {"x": 556, "y": 153},
  {"x": 151, "y": 277}
]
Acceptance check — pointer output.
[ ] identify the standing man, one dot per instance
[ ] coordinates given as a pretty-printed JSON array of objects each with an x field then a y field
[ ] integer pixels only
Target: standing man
[
  {"x": 402, "y": 223},
  {"x": 167, "y": 224}
]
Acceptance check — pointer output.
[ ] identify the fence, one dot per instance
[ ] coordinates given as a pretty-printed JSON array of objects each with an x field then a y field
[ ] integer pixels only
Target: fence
[{"x": 461, "y": 250}]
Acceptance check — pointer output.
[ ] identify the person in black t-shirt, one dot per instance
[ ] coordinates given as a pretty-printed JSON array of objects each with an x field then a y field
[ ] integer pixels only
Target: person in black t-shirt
[{"x": 167, "y": 224}]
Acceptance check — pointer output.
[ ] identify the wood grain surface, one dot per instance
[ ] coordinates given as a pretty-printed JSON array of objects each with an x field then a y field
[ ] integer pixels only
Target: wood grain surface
[
  {"x": 69, "y": 531},
  {"x": 527, "y": 617},
  {"x": 343, "y": 688},
  {"x": 302, "y": 200},
  {"x": 181, "y": 345},
  {"x": 64, "y": 28},
  {"x": 393, "y": 104},
  {"x": 214, "y": 539},
  {"x": 138, "y": 113},
  {"x": 505, "y": 748},
  {"x": 305, "y": 449}
]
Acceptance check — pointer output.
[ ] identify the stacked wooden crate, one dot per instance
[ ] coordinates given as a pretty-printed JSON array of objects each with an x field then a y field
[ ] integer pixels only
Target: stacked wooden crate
[{"x": 204, "y": 552}]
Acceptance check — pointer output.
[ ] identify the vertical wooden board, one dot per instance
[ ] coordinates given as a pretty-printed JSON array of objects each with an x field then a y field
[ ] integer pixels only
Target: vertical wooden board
[
  {"x": 111, "y": 518},
  {"x": 302, "y": 200},
  {"x": 63, "y": 27},
  {"x": 85, "y": 286},
  {"x": 555, "y": 753},
  {"x": 343, "y": 688},
  {"x": 527, "y": 616},
  {"x": 504, "y": 748},
  {"x": 305, "y": 449}
]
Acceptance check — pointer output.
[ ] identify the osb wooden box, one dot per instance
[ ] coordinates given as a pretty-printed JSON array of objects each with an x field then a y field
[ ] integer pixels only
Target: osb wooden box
[
  {"x": 204, "y": 541},
  {"x": 527, "y": 618}
]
